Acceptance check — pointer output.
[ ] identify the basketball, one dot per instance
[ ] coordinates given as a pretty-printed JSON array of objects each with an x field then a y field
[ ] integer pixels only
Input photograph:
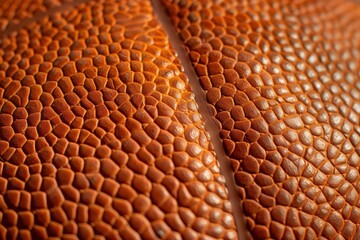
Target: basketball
[{"x": 179, "y": 119}]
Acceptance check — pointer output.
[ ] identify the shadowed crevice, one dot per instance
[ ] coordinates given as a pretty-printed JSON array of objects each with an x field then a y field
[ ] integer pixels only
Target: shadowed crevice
[{"x": 210, "y": 125}]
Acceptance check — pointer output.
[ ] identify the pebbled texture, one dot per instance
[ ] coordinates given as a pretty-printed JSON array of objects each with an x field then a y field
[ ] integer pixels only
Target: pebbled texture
[
  {"x": 282, "y": 80},
  {"x": 100, "y": 136},
  {"x": 18, "y": 12}
]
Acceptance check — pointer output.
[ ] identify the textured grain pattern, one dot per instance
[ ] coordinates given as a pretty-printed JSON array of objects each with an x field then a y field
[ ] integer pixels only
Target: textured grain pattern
[
  {"x": 18, "y": 12},
  {"x": 282, "y": 79},
  {"x": 100, "y": 136}
]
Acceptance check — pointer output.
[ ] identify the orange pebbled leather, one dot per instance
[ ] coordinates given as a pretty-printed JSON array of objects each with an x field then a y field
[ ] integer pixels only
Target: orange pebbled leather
[
  {"x": 100, "y": 136},
  {"x": 282, "y": 79}
]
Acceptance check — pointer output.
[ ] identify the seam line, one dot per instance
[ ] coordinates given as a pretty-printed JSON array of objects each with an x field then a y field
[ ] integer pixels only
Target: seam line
[{"x": 204, "y": 110}]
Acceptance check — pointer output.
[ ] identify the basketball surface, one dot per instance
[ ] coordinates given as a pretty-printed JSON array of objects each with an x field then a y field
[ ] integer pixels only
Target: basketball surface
[{"x": 179, "y": 119}]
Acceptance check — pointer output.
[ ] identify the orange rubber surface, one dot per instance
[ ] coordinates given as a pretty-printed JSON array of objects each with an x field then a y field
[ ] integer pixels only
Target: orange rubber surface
[
  {"x": 100, "y": 136},
  {"x": 282, "y": 79}
]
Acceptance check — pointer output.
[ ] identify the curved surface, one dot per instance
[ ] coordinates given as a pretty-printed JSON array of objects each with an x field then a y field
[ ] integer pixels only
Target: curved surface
[
  {"x": 100, "y": 136},
  {"x": 282, "y": 79}
]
